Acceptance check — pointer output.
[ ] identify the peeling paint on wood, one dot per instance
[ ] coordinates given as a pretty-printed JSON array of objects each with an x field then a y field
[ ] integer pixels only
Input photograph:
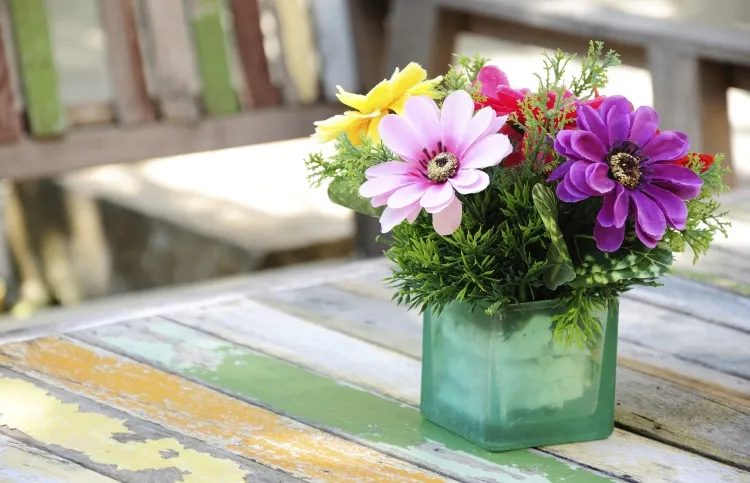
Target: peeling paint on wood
[
  {"x": 381, "y": 423},
  {"x": 20, "y": 462},
  {"x": 240, "y": 322},
  {"x": 102, "y": 440},
  {"x": 199, "y": 412}
]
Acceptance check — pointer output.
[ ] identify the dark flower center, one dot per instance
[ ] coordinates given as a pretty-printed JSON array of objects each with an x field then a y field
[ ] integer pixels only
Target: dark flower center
[
  {"x": 442, "y": 167},
  {"x": 625, "y": 161}
]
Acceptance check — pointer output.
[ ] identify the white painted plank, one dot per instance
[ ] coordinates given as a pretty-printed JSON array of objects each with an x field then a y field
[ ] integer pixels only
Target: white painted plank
[
  {"x": 342, "y": 357},
  {"x": 20, "y": 462},
  {"x": 298, "y": 44},
  {"x": 333, "y": 30}
]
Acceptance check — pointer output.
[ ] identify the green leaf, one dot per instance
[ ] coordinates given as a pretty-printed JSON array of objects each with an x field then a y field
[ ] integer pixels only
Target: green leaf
[
  {"x": 343, "y": 192},
  {"x": 559, "y": 266},
  {"x": 628, "y": 263}
]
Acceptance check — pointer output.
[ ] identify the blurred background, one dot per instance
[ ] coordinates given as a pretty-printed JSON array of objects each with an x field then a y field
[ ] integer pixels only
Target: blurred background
[{"x": 149, "y": 143}]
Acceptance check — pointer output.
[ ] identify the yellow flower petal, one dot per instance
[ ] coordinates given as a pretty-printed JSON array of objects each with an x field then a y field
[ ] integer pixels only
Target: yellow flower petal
[
  {"x": 378, "y": 98},
  {"x": 372, "y": 130},
  {"x": 402, "y": 81},
  {"x": 356, "y": 101},
  {"x": 351, "y": 122}
]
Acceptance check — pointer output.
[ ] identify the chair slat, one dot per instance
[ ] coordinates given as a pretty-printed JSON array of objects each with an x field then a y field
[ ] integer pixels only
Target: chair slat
[{"x": 10, "y": 126}]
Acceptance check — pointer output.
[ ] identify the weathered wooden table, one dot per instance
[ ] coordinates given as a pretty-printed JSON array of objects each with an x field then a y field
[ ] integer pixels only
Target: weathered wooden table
[{"x": 312, "y": 374}]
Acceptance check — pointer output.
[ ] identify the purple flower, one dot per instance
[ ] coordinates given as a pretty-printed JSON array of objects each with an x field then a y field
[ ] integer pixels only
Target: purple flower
[{"x": 620, "y": 155}]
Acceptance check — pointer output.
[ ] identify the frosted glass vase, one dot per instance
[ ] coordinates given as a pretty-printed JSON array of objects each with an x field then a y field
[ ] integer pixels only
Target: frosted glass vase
[{"x": 503, "y": 382}]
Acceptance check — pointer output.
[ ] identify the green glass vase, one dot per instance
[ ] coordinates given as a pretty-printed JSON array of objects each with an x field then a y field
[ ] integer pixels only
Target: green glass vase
[{"x": 504, "y": 382}]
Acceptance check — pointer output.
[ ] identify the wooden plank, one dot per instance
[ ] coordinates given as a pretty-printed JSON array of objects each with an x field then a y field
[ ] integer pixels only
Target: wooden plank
[
  {"x": 638, "y": 459},
  {"x": 378, "y": 422},
  {"x": 413, "y": 31},
  {"x": 246, "y": 16},
  {"x": 132, "y": 101},
  {"x": 113, "y": 443},
  {"x": 90, "y": 113},
  {"x": 106, "y": 145},
  {"x": 336, "y": 47},
  {"x": 10, "y": 125},
  {"x": 299, "y": 50},
  {"x": 174, "y": 63},
  {"x": 208, "y": 18},
  {"x": 21, "y": 462},
  {"x": 38, "y": 71},
  {"x": 198, "y": 412},
  {"x": 367, "y": 18}
]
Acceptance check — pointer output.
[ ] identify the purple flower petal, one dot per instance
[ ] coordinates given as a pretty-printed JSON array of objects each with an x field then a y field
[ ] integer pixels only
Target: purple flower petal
[
  {"x": 589, "y": 120},
  {"x": 420, "y": 112},
  {"x": 645, "y": 238},
  {"x": 409, "y": 194},
  {"x": 673, "y": 207},
  {"x": 448, "y": 219},
  {"x": 617, "y": 103},
  {"x": 667, "y": 146},
  {"x": 597, "y": 177},
  {"x": 618, "y": 126},
  {"x": 469, "y": 181},
  {"x": 568, "y": 193},
  {"x": 393, "y": 216},
  {"x": 588, "y": 146},
  {"x": 645, "y": 124},
  {"x": 487, "y": 152},
  {"x": 615, "y": 207},
  {"x": 577, "y": 177},
  {"x": 563, "y": 145},
  {"x": 454, "y": 118},
  {"x": 561, "y": 170},
  {"x": 648, "y": 215},
  {"x": 437, "y": 195},
  {"x": 679, "y": 180},
  {"x": 475, "y": 130},
  {"x": 398, "y": 135},
  {"x": 608, "y": 238}
]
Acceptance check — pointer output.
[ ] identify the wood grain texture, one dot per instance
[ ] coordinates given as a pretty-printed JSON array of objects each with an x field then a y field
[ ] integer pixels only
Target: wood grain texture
[
  {"x": 113, "y": 443},
  {"x": 336, "y": 46},
  {"x": 194, "y": 410},
  {"x": 246, "y": 17},
  {"x": 10, "y": 125},
  {"x": 381, "y": 423},
  {"x": 646, "y": 460},
  {"x": 299, "y": 49},
  {"x": 22, "y": 462},
  {"x": 38, "y": 71},
  {"x": 97, "y": 146},
  {"x": 132, "y": 101},
  {"x": 208, "y": 17},
  {"x": 174, "y": 62}
]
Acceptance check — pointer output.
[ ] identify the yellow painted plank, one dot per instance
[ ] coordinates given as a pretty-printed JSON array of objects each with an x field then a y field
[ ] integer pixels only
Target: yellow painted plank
[
  {"x": 29, "y": 409},
  {"x": 204, "y": 414}
]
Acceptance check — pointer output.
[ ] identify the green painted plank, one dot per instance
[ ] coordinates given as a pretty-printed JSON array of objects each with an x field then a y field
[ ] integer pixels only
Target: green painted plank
[
  {"x": 382, "y": 423},
  {"x": 38, "y": 71},
  {"x": 219, "y": 96}
]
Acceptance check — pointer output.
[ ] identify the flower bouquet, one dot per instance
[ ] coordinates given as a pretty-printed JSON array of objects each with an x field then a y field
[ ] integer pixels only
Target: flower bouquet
[{"x": 516, "y": 217}]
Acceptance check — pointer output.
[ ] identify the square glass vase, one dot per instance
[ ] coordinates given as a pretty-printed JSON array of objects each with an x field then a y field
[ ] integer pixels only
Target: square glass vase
[{"x": 504, "y": 382}]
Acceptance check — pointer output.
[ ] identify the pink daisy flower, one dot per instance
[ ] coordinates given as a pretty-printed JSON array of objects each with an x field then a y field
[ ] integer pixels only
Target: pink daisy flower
[{"x": 441, "y": 153}]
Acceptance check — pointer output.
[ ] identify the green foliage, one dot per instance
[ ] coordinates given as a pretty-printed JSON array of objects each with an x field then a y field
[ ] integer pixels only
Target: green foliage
[
  {"x": 579, "y": 324},
  {"x": 462, "y": 77},
  {"x": 349, "y": 162},
  {"x": 594, "y": 68},
  {"x": 705, "y": 216},
  {"x": 559, "y": 268},
  {"x": 343, "y": 192}
]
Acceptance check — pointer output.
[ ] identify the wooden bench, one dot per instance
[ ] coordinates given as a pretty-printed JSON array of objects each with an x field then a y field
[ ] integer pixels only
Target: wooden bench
[
  {"x": 695, "y": 50},
  {"x": 312, "y": 374}
]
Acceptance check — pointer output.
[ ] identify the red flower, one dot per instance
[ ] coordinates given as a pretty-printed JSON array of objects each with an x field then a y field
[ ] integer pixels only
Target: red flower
[{"x": 706, "y": 160}]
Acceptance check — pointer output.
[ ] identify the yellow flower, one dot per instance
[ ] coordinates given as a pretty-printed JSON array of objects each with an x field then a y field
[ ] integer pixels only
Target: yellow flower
[{"x": 388, "y": 95}]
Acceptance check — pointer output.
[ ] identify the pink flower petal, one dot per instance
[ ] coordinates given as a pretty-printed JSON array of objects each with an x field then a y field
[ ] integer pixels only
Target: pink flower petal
[
  {"x": 391, "y": 168},
  {"x": 380, "y": 200},
  {"x": 411, "y": 217},
  {"x": 475, "y": 129},
  {"x": 398, "y": 135},
  {"x": 409, "y": 194},
  {"x": 435, "y": 209},
  {"x": 495, "y": 126},
  {"x": 457, "y": 110},
  {"x": 379, "y": 186},
  {"x": 436, "y": 195},
  {"x": 393, "y": 216},
  {"x": 487, "y": 152},
  {"x": 422, "y": 114},
  {"x": 491, "y": 77},
  {"x": 448, "y": 220},
  {"x": 480, "y": 181}
]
